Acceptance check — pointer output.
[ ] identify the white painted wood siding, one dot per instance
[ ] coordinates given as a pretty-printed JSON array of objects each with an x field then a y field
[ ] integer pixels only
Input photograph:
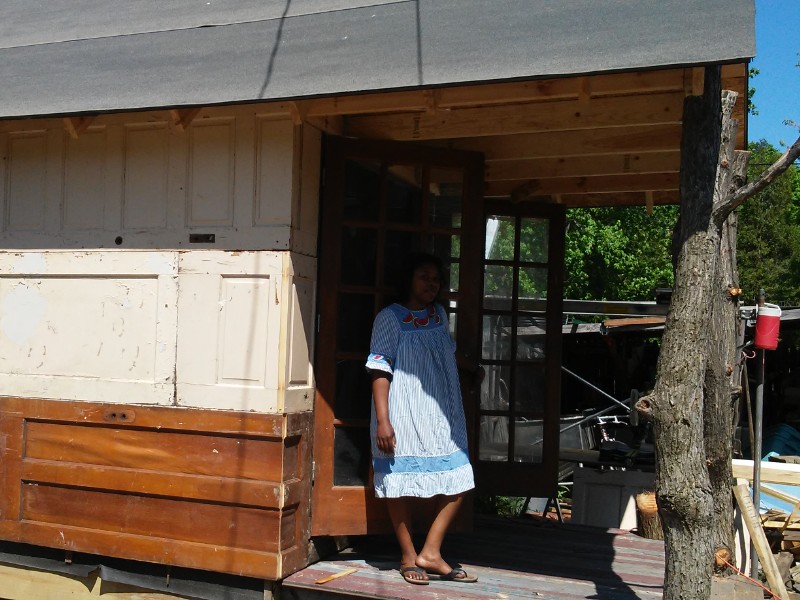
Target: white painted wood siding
[
  {"x": 103, "y": 297},
  {"x": 88, "y": 325},
  {"x": 247, "y": 174}
]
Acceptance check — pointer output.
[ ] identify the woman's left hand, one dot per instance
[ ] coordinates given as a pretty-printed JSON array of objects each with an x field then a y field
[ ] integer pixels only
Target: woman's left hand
[{"x": 384, "y": 438}]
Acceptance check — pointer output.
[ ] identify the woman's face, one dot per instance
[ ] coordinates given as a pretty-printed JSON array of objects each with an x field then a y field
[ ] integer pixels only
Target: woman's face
[{"x": 425, "y": 285}]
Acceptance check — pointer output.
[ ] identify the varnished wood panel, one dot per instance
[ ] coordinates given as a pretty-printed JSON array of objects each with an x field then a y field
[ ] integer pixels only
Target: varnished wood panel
[
  {"x": 213, "y": 490},
  {"x": 198, "y": 487},
  {"x": 157, "y": 450},
  {"x": 133, "y": 514}
]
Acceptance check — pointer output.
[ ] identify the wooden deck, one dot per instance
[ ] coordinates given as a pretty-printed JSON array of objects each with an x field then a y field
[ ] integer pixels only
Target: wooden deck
[{"x": 514, "y": 558}]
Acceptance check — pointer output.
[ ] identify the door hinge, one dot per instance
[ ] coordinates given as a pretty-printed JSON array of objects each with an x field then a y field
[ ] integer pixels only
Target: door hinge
[
  {"x": 313, "y": 471},
  {"x": 318, "y": 321}
]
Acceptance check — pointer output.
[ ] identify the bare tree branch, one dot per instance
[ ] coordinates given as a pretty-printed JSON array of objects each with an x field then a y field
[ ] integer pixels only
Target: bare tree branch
[{"x": 723, "y": 209}]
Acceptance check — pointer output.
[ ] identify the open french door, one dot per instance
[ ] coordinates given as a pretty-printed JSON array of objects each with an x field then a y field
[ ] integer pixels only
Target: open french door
[
  {"x": 381, "y": 201},
  {"x": 517, "y": 421}
]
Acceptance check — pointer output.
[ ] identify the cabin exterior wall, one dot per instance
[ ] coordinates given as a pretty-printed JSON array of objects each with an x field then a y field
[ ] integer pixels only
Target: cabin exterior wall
[
  {"x": 157, "y": 301},
  {"x": 106, "y": 296}
]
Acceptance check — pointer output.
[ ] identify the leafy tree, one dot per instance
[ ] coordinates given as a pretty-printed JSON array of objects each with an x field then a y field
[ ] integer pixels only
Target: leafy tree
[
  {"x": 751, "y": 91},
  {"x": 619, "y": 253},
  {"x": 769, "y": 232}
]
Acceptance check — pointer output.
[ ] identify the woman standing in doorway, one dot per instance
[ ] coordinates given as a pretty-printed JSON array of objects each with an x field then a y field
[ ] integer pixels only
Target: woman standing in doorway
[{"x": 418, "y": 429}]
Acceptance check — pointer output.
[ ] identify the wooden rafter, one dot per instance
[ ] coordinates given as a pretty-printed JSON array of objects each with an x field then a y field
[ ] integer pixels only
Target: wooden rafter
[
  {"x": 77, "y": 125},
  {"x": 652, "y": 109},
  {"x": 593, "y": 140},
  {"x": 584, "y": 166},
  {"x": 693, "y": 81},
  {"x": 583, "y": 142},
  {"x": 606, "y": 184},
  {"x": 540, "y": 90},
  {"x": 611, "y": 199},
  {"x": 183, "y": 117}
]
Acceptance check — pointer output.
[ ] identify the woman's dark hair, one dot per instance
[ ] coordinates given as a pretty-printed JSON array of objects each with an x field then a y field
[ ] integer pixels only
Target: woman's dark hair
[{"x": 411, "y": 263}]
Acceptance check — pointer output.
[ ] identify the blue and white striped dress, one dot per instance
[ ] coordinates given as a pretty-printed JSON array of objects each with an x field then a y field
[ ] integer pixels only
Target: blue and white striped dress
[{"x": 425, "y": 408}]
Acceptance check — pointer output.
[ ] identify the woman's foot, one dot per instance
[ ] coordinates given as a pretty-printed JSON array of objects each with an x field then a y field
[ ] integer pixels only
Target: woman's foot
[
  {"x": 438, "y": 568},
  {"x": 414, "y": 574}
]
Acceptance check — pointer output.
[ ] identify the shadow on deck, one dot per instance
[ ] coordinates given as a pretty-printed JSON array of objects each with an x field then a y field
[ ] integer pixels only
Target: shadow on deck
[{"x": 513, "y": 557}]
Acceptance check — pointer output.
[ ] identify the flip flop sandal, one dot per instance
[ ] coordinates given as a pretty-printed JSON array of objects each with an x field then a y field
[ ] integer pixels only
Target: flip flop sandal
[
  {"x": 404, "y": 571},
  {"x": 458, "y": 574}
]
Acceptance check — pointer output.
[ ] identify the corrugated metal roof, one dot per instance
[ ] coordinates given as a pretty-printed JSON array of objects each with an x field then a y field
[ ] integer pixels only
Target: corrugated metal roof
[{"x": 72, "y": 56}]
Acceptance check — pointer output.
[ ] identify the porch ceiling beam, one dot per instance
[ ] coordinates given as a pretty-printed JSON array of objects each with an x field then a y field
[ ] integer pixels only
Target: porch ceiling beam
[
  {"x": 584, "y": 166},
  {"x": 612, "y": 199},
  {"x": 540, "y": 90},
  {"x": 566, "y": 88},
  {"x": 653, "y": 109},
  {"x": 588, "y": 142},
  {"x": 584, "y": 185}
]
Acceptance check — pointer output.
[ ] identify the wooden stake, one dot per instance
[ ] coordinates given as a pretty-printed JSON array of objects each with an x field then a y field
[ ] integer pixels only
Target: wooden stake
[
  {"x": 753, "y": 523},
  {"x": 336, "y": 576}
]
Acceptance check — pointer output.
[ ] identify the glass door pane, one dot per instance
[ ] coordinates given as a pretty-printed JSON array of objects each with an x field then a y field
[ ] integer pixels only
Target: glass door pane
[{"x": 514, "y": 338}]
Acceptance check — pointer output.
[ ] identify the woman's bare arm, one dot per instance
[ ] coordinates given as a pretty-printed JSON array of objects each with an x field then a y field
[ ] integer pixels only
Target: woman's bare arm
[{"x": 380, "y": 394}]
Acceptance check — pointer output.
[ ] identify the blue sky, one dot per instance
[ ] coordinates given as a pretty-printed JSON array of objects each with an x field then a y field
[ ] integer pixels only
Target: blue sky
[{"x": 777, "y": 87}]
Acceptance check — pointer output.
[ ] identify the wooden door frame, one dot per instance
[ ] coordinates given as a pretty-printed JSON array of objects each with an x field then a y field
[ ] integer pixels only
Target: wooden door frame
[{"x": 351, "y": 510}]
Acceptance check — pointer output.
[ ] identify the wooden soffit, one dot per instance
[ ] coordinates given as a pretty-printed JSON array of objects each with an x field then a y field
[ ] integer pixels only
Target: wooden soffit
[{"x": 599, "y": 140}]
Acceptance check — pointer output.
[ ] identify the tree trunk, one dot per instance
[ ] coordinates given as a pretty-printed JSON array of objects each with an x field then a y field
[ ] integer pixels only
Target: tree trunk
[
  {"x": 693, "y": 405},
  {"x": 720, "y": 409},
  {"x": 677, "y": 404}
]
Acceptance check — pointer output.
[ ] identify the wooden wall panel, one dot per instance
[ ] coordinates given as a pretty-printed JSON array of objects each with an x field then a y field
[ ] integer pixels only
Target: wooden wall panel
[
  {"x": 211, "y": 173},
  {"x": 244, "y": 329},
  {"x": 300, "y": 334},
  {"x": 175, "y": 519},
  {"x": 274, "y": 158},
  {"x": 304, "y": 221},
  {"x": 84, "y": 181},
  {"x": 213, "y": 490},
  {"x": 143, "y": 181},
  {"x": 146, "y": 170},
  {"x": 169, "y": 451},
  {"x": 89, "y": 326},
  {"x": 229, "y": 330},
  {"x": 27, "y": 155}
]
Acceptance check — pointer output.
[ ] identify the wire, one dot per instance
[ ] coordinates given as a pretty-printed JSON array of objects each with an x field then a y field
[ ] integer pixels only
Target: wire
[{"x": 758, "y": 583}]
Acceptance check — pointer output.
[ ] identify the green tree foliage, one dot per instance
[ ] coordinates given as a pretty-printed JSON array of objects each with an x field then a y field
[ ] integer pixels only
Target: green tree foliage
[
  {"x": 618, "y": 253},
  {"x": 751, "y": 92},
  {"x": 533, "y": 237},
  {"x": 769, "y": 232}
]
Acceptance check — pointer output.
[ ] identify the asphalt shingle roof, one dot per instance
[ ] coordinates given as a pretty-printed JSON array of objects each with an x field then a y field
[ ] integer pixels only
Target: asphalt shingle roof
[{"x": 72, "y": 56}]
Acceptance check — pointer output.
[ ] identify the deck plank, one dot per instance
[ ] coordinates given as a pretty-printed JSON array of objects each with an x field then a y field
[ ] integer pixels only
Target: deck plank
[{"x": 513, "y": 558}]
